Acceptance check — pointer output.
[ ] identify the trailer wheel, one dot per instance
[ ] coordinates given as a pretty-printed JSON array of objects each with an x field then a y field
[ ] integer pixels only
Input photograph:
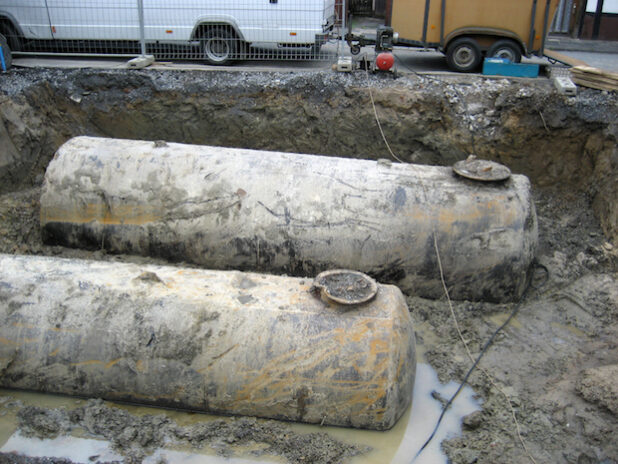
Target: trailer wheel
[
  {"x": 463, "y": 54},
  {"x": 220, "y": 46},
  {"x": 505, "y": 49},
  {"x": 6, "y": 53}
]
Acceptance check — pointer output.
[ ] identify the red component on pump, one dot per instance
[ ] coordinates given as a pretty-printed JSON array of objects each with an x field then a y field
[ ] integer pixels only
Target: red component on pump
[{"x": 385, "y": 61}]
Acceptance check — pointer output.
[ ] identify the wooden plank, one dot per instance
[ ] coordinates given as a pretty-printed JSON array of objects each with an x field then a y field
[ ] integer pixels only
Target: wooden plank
[
  {"x": 595, "y": 79},
  {"x": 554, "y": 55},
  {"x": 594, "y": 84},
  {"x": 596, "y": 71}
]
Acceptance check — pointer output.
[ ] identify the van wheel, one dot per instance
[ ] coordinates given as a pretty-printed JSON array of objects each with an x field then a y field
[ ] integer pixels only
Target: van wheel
[
  {"x": 6, "y": 53},
  {"x": 220, "y": 46},
  {"x": 463, "y": 55},
  {"x": 505, "y": 49}
]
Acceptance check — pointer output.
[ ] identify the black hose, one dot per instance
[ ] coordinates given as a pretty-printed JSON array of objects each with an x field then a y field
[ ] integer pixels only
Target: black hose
[{"x": 478, "y": 359}]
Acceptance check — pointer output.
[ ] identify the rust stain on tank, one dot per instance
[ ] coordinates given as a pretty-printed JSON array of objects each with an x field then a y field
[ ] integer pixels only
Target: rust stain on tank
[
  {"x": 19, "y": 325},
  {"x": 99, "y": 212},
  {"x": 8, "y": 342},
  {"x": 139, "y": 366},
  {"x": 112, "y": 363},
  {"x": 91, "y": 362}
]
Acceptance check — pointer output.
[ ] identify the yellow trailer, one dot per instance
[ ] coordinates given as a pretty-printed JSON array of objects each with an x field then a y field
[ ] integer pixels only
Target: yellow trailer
[{"x": 467, "y": 30}]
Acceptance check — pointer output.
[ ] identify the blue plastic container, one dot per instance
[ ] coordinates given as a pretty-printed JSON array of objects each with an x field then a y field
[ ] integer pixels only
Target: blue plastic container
[
  {"x": 504, "y": 67},
  {"x": 2, "y": 62}
]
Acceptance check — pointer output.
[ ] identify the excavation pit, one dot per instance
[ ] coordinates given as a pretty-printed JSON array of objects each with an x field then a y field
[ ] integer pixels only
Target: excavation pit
[{"x": 566, "y": 146}]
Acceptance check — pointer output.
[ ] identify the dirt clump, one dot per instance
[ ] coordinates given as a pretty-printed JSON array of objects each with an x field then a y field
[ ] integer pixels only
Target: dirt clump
[{"x": 600, "y": 385}]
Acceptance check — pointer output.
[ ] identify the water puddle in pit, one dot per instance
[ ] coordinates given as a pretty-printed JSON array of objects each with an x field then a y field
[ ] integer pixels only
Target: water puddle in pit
[
  {"x": 397, "y": 446},
  {"x": 67, "y": 447}
]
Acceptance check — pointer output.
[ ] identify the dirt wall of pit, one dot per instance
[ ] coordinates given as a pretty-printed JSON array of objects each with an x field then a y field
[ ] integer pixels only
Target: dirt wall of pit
[{"x": 563, "y": 142}]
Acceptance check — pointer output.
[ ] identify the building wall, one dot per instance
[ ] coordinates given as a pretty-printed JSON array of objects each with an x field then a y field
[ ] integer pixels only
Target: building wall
[
  {"x": 608, "y": 30},
  {"x": 368, "y": 7}
]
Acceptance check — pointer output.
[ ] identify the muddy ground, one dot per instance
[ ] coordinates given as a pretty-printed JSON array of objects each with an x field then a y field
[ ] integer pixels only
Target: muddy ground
[
  {"x": 136, "y": 436},
  {"x": 554, "y": 361}
]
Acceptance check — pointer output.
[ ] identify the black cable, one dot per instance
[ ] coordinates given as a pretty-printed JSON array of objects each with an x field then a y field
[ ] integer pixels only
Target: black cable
[
  {"x": 478, "y": 358},
  {"x": 536, "y": 265}
]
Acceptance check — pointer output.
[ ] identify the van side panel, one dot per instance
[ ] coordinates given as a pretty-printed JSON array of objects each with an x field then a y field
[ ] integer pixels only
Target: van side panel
[
  {"x": 328, "y": 8},
  {"x": 287, "y": 21},
  {"x": 30, "y": 17},
  {"x": 94, "y": 19},
  {"x": 508, "y": 15}
]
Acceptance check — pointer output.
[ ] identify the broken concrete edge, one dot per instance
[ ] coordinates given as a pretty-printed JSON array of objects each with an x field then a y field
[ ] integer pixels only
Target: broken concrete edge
[{"x": 142, "y": 61}]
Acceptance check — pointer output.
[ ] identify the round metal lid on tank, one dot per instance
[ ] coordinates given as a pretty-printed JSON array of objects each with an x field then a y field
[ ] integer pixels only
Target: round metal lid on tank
[
  {"x": 345, "y": 287},
  {"x": 481, "y": 170}
]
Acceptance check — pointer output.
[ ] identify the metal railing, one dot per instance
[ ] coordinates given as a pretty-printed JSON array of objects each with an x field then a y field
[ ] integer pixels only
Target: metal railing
[{"x": 213, "y": 31}]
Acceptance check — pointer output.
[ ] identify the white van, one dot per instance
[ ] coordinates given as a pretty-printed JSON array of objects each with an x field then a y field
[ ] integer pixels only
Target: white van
[{"x": 221, "y": 29}]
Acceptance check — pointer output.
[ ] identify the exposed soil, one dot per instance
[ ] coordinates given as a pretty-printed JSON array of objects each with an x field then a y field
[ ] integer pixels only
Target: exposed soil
[{"x": 554, "y": 359}]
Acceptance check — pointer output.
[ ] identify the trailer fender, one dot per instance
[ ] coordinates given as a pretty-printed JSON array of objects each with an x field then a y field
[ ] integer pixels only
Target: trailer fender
[{"x": 487, "y": 32}]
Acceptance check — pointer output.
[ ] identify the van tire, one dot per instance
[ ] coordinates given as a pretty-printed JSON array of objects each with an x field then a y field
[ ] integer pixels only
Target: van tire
[
  {"x": 505, "y": 48},
  {"x": 220, "y": 46},
  {"x": 6, "y": 51},
  {"x": 464, "y": 55}
]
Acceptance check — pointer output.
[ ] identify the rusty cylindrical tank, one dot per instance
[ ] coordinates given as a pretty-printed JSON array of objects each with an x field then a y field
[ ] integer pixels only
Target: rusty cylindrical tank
[
  {"x": 215, "y": 341},
  {"x": 228, "y": 208}
]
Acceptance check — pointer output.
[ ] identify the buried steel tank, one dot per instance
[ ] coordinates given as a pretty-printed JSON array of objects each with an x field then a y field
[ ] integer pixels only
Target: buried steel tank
[
  {"x": 216, "y": 341},
  {"x": 228, "y": 208}
]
